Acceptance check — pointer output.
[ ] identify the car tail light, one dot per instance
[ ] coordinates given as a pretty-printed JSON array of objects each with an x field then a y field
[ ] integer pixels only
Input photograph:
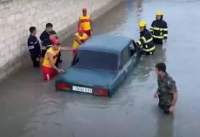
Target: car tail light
[
  {"x": 101, "y": 92},
  {"x": 62, "y": 86}
]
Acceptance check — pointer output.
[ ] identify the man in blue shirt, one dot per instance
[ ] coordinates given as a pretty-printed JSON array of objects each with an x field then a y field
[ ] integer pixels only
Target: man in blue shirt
[{"x": 34, "y": 47}]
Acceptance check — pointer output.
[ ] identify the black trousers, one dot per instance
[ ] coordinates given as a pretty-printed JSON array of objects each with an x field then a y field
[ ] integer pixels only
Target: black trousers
[
  {"x": 43, "y": 53},
  {"x": 158, "y": 41},
  {"x": 36, "y": 64}
]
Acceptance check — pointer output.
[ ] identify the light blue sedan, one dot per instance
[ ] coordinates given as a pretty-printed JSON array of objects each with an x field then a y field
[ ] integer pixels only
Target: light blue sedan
[{"x": 100, "y": 66}]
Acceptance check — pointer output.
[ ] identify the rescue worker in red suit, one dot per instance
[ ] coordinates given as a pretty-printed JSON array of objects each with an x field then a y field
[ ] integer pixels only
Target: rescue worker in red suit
[
  {"x": 79, "y": 38},
  {"x": 49, "y": 68},
  {"x": 46, "y": 42},
  {"x": 85, "y": 22},
  {"x": 52, "y": 34}
]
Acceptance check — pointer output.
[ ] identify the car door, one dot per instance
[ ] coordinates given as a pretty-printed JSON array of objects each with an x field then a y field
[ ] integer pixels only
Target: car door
[
  {"x": 134, "y": 53},
  {"x": 127, "y": 60}
]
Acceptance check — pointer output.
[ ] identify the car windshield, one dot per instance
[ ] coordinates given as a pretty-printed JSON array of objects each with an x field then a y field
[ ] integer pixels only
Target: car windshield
[{"x": 96, "y": 60}]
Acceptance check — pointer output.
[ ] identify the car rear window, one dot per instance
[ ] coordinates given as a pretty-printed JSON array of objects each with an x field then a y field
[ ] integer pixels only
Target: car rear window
[{"x": 96, "y": 60}]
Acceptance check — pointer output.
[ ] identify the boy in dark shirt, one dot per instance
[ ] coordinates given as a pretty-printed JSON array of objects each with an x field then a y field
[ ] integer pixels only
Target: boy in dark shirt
[
  {"x": 44, "y": 37},
  {"x": 34, "y": 47},
  {"x": 46, "y": 43}
]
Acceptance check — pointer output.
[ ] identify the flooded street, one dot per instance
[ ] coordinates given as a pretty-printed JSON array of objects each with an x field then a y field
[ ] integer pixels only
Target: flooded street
[{"x": 31, "y": 108}]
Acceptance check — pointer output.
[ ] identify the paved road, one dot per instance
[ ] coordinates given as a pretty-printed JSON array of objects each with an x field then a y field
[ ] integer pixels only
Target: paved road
[{"x": 30, "y": 108}]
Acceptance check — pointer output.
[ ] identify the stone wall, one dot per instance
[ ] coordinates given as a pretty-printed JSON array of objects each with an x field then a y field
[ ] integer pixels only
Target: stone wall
[{"x": 16, "y": 16}]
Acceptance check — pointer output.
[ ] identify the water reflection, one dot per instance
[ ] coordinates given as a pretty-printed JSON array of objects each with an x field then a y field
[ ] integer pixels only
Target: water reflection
[
  {"x": 165, "y": 126},
  {"x": 147, "y": 64},
  {"x": 115, "y": 19},
  {"x": 139, "y": 8}
]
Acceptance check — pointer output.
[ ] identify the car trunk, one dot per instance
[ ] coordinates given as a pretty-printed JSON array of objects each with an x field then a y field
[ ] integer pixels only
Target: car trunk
[{"x": 86, "y": 81}]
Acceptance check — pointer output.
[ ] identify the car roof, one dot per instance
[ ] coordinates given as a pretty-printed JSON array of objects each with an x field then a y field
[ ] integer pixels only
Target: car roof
[{"x": 106, "y": 43}]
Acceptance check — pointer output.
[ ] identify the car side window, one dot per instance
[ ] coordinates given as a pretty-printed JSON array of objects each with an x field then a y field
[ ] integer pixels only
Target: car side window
[
  {"x": 126, "y": 55},
  {"x": 132, "y": 48},
  {"x": 120, "y": 62}
]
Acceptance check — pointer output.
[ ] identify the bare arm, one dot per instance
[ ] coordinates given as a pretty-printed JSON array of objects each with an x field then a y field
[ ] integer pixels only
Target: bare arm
[
  {"x": 77, "y": 39},
  {"x": 86, "y": 38},
  {"x": 50, "y": 57}
]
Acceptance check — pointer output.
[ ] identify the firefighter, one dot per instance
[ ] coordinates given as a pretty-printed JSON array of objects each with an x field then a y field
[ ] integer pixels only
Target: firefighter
[
  {"x": 145, "y": 43},
  {"x": 85, "y": 22},
  {"x": 79, "y": 38},
  {"x": 34, "y": 47},
  {"x": 159, "y": 29}
]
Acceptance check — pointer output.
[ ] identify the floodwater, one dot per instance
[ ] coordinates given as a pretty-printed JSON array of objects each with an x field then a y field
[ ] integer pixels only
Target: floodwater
[{"x": 30, "y": 107}]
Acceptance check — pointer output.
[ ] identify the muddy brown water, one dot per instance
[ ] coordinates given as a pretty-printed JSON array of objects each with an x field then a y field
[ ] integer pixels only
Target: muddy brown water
[{"x": 29, "y": 107}]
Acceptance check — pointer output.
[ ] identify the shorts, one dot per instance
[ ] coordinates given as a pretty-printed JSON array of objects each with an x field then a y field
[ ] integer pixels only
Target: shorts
[
  {"x": 74, "y": 52},
  {"x": 88, "y": 32},
  {"x": 48, "y": 73}
]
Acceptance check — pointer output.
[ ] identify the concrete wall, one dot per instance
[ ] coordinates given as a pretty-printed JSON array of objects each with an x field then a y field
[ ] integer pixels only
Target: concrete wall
[{"x": 16, "y": 16}]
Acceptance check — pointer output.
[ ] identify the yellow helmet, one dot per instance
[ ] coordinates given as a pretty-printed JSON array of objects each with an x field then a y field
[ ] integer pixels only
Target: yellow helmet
[
  {"x": 142, "y": 24},
  {"x": 159, "y": 13}
]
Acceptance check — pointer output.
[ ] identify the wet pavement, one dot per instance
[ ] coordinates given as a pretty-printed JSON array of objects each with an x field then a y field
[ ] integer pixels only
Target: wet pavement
[{"x": 31, "y": 108}]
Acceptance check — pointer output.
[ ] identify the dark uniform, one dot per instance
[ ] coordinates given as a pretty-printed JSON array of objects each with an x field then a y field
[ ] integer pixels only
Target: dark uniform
[
  {"x": 46, "y": 43},
  {"x": 159, "y": 31},
  {"x": 34, "y": 49},
  {"x": 166, "y": 88},
  {"x": 146, "y": 42}
]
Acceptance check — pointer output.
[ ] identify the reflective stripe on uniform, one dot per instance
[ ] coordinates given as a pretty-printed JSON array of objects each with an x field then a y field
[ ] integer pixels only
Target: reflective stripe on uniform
[
  {"x": 146, "y": 41},
  {"x": 30, "y": 47},
  {"x": 165, "y": 29},
  {"x": 146, "y": 46},
  {"x": 139, "y": 42},
  {"x": 165, "y": 35},
  {"x": 149, "y": 50},
  {"x": 158, "y": 37},
  {"x": 156, "y": 28}
]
